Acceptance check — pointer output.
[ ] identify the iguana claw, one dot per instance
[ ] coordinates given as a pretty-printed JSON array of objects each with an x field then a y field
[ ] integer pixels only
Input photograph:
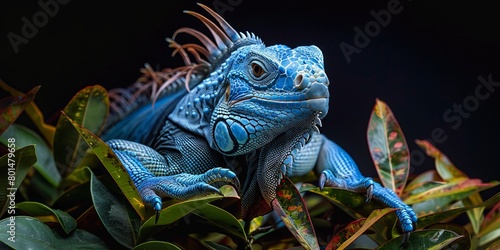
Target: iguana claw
[
  {"x": 369, "y": 193},
  {"x": 405, "y": 214},
  {"x": 183, "y": 186},
  {"x": 404, "y": 241}
]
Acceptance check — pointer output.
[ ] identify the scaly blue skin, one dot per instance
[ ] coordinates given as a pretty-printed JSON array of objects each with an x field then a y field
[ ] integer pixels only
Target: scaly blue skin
[{"x": 253, "y": 118}]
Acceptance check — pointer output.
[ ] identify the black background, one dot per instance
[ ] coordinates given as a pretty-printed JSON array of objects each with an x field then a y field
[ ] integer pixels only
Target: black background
[{"x": 427, "y": 59}]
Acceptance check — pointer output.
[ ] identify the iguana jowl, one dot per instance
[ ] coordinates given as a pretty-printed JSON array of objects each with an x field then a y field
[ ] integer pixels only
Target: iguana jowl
[{"x": 249, "y": 114}]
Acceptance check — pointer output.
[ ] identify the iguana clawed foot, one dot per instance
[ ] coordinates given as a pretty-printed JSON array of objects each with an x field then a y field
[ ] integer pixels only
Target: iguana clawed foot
[
  {"x": 405, "y": 214},
  {"x": 184, "y": 186}
]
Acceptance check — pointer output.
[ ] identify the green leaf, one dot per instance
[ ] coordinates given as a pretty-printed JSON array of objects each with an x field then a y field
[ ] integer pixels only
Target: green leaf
[
  {"x": 45, "y": 164},
  {"x": 113, "y": 213},
  {"x": 79, "y": 239},
  {"x": 153, "y": 244},
  {"x": 223, "y": 219},
  {"x": 423, "y": 239},
  {"x": 32, "y": 110},
  {"x": 462, "y": 241},
  {"x": 47, "y": 214},
  {"x": 178, "y": 209},
  {"x": 388, "y": 148},
  {"x": 214, "y": 246},
  {"x": 23, "y": 159},
  {"x": 291, "y": 208},
  {"x": 75, "y": 200},
  {"x": 11, "y": 107},
  {"x": 114, "y": 168},
  {"x": 89, "y": 109},
  {"x": 25, "y": 232},
  {"x": 475, "y": 215},
  {"x": 32, "y": 233}
]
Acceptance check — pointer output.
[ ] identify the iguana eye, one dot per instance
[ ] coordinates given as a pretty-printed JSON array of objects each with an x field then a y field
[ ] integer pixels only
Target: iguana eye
[{"x": 257, "y": 70}]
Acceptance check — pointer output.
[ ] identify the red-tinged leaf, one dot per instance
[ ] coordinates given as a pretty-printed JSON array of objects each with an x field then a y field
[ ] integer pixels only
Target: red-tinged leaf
[
  {"x": 491, "y": 221},
  {"x": 13, "y": 106},
  {"x": 422, "y": 179},
  {"x": 432, "y": 218},
  {"x": 345, "y": 234},
  {"x": 449, "y": 172},
  {"x": 444, "y": 166},
  {"x": 388, "y": 148},
  {"x": 290, "y": 206},
  {"x": 354, "y": 204},
  {"x": 372, "y": 219},
  {"x": 450, "y": 189},
  {"x": 34, "y": 113},
  {"x": 491, "y": 216}
]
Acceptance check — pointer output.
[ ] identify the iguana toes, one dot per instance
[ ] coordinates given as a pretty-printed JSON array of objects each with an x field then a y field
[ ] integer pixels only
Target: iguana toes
[{"x": 249, "y": 114}]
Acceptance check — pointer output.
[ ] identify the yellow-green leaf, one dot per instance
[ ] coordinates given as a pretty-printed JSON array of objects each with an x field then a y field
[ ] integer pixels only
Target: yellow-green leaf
[
  {"x": 89, "y": 109},
  {"x": 176, "y": 209},
  {"x": 114, "y": 168},
  {"x": 422, "y": 179}
]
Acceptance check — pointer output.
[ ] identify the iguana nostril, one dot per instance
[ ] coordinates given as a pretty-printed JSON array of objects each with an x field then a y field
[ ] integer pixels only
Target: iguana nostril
[
  {"x": 317, "y": 90},
  {"x": 300, "y": 82}
]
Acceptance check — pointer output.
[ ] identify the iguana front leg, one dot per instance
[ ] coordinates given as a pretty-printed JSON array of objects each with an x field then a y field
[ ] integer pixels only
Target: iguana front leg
[
  {"x": 337, "y": 169},
  {"x": 147, "y": 169}
]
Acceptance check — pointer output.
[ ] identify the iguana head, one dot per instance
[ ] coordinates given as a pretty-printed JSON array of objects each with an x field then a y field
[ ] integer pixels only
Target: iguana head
[{"x": 268, "y": 91}]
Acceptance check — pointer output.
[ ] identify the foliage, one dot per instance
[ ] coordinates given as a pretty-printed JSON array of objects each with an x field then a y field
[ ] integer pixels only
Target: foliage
[{"x": 72, "y": 192}]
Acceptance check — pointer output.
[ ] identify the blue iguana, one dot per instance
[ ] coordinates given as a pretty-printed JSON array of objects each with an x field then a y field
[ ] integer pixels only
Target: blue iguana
[{"x": 239, "y": 112}]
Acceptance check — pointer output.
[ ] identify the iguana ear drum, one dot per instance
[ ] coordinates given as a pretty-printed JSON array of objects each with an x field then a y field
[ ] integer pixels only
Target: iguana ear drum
[{"x": 229, "y": 135}]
